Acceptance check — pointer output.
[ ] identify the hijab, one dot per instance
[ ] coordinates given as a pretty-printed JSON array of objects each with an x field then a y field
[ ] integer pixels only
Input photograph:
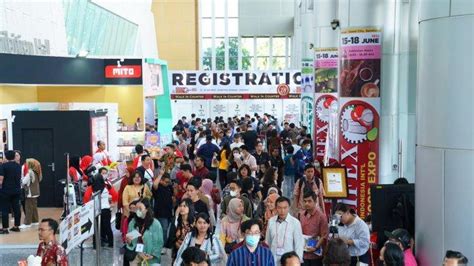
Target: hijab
[
  {"x": 271, "y": 199},
  {"x": 206, "y": 187},
  {"x": 35, "y": 166},
  {"x": 231, "y": 210}
]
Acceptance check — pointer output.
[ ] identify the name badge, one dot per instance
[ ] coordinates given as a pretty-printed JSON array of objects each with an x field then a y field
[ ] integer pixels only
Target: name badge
[{"x": 139, "y": 248}]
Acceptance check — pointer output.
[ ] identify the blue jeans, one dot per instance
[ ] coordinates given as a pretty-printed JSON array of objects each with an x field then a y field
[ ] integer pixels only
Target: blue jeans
[{"x": 165, "y": 223}]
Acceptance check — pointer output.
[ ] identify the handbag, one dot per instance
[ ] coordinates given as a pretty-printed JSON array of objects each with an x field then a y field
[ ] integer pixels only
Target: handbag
[
  {"x": 129, "y": 255},
  {"x": 118, "y": 220}
]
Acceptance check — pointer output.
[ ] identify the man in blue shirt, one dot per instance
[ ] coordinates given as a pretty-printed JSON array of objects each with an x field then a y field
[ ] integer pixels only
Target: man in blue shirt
[
  {"x": 252, "y": 253},
  {"x": 207, "y": 151},
  {"x": 302, "y": 157}
]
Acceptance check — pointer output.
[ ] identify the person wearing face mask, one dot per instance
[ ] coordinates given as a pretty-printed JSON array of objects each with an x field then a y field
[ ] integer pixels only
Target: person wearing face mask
[
  {"x": 253, "y": 253},
  {"x": 163, "y": 201},
  {"x": 202, "y": 237},
  {"x": 355, "y": 233},
  {"x": 149, "y": 244},
  {"x": 235, "y": 187},
  {"x": 231, "y": 223},
  {"x": 246, "y": 159},
  {"x": 302, "y": 157}
]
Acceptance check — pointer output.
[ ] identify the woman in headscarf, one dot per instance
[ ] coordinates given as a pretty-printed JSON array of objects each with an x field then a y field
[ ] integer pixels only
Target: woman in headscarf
[
  {"x": 270, "y": 209},
  {"x": 30, "y": 182},
  {"x": 230, "y": 225},
  {"x": 206, "y": 191}
]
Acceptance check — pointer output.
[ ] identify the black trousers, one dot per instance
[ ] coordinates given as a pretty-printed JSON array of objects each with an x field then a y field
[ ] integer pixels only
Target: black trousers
[
  {"x": 364, "y": 258},
  {"x": 223, "y": 178},
  {"x": 10, "y": 202},
  {"x": 105, "y": 227}
]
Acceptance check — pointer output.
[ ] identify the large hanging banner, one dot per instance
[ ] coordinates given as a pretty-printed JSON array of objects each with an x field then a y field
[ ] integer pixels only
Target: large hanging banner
[
  {"x": 326, "y": 104},
  {"x": 235, "y": 93},
  {"x": 152, "y": 78},
  {"x": 307, "y": 95},
  {"x": 359, "y": 85}
]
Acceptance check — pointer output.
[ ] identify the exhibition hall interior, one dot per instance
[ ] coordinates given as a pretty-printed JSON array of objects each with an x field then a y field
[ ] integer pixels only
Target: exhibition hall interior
[{"x": 236, "y": 132}]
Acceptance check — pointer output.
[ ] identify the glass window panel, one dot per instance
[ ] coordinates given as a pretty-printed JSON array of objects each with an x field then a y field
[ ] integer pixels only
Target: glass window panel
[
  {"x": 233, "y": 47},
  {"x": 262, "y": 63},
  {"x": 263, "y": 46},
  {"x": 219, "y": 11},
  {"x": 219, "y": 42},
  {"x": 207, "y": 63},
  {"x": 220, "y": 63},
  {"x": 247, "y": 63},
  {"x": 289, "y": 45},
  {"x": 232, "y": 8},
  {"x": 206, "y": 8},
  {"x": 278, "y": 46},
  {"x": 278, "y": 63},
  {"x": 233, "y": 63},
  {"x": 247, "y": 46},
  {"x": 233, "y": 27},
  {"x": 206, "y": 27},
  {"x": 219, "y": 23},
  {"x": 206, "y": 46}
]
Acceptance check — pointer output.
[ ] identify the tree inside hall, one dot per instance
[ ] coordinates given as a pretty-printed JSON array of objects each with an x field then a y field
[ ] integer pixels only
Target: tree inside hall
[{"x": 233, "y": 56}]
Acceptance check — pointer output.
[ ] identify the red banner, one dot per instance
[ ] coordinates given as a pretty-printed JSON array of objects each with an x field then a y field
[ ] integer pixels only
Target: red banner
[
  {"x": 126, "y": 71},
  {"x": 359, "y": 76}
]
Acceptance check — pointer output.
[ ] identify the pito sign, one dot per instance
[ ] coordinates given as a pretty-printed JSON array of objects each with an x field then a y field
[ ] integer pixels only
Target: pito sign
[{"x": 125, "y": 71}]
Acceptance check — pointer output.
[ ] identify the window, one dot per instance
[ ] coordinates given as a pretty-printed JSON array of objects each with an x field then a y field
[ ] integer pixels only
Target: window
[
  {"x": 219, "y": 29},
  {"x": 265, "y": 53}
]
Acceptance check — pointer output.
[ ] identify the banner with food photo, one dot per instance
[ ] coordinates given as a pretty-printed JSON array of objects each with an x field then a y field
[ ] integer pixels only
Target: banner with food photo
[
  {"x": 359, "y": 117},
  {"x": 360, "y": 62},
  {"x": 326, "y": 104}
]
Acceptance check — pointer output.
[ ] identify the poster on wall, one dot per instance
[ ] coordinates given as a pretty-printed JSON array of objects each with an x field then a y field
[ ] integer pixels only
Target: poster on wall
[
  {"x": 291, "y": 110},
  {"x": 326, "y": 105},
  {"x": 273, "y": 108},
  {"x": 3, "y": 135},
  {"x": 236, "y": 108},
  {"x": 359, "y": 79},
  {"x": 307, "y": 75},
  {"x": 255, "y": 106},
  {"x": 218, "y": 108},
  {"x": 200, "y": 108},
  {"x": 152, "y": 78},
  {"x": 99, "y": 132}
]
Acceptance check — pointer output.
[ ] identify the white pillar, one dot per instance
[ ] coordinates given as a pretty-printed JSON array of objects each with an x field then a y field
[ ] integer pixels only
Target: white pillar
[{"x": 445, "y": 130}]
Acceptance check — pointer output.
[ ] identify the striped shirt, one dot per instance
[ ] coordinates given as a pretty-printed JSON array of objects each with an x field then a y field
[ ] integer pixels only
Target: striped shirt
[{"x": 242, "y": 256}]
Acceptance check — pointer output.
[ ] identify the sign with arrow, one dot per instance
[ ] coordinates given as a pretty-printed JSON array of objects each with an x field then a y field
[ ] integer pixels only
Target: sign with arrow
[{"x": 77, "y": 226}]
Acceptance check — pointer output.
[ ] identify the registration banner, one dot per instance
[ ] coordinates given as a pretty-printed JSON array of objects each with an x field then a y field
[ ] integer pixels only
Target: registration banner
[
  {"x": 326, "y": 104},
  {"x": 283, "y": 82},
  {"x": 359, "y": 116}
]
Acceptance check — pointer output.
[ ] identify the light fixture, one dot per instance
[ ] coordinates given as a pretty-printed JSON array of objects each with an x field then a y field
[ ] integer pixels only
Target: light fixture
[
  {"x": 335, "y": 24},
  {"x": 82, "y": 53}
]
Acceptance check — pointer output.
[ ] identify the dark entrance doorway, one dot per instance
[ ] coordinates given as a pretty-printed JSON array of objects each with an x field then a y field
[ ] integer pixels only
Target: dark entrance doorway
[{"x": 38, "y": 144}]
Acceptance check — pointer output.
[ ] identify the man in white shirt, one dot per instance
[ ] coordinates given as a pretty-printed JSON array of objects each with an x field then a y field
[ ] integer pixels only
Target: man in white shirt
[
  {"x": 101, "y": 156},
  {"x": 284, "y": 232}
]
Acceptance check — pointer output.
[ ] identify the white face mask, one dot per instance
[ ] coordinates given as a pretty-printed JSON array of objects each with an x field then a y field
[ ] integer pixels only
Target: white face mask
[
  {"x": 233, "y": 193},
  {"x": 140, "y": 214}
]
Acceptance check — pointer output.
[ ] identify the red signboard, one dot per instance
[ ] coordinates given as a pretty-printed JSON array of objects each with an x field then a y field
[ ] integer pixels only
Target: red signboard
[{"x": 122, "y": 72}]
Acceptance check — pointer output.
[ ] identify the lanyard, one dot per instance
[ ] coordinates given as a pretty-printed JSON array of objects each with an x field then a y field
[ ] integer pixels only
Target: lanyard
[
  {"x": 280, "y": 245},
  {"x": 140, "y": 239}
]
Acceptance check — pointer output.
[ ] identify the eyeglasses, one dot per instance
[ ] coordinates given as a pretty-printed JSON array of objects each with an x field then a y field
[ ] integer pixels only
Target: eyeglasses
[{"x": 253, "y": 233}]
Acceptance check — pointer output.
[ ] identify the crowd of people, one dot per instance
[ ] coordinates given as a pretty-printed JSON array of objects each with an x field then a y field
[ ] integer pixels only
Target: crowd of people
[{"x": 241, "y": 191}]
